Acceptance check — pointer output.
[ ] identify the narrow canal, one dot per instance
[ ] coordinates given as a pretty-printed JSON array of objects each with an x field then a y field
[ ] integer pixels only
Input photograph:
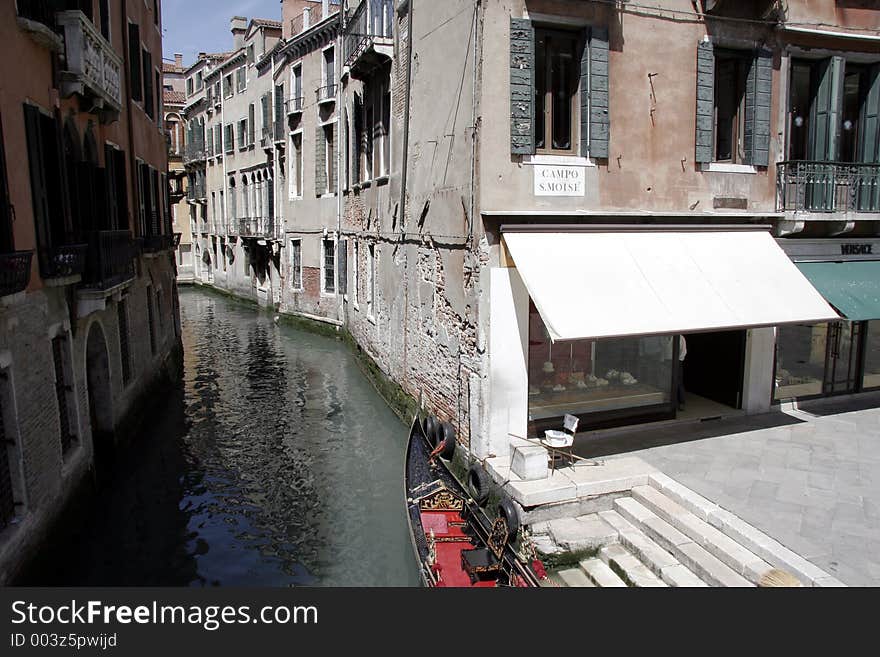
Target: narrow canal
[{"x": 275, "y": 463}]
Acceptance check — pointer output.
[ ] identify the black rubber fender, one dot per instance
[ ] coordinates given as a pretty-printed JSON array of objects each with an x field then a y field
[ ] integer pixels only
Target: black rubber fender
[
  {"x": 446, "y": 436},
  {"x": 478, "y": 484},
  {"x": 507, "y": 510}
]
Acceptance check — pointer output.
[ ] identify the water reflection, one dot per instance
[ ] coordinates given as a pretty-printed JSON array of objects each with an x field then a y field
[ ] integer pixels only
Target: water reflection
[{"x": 275, "y": 464}]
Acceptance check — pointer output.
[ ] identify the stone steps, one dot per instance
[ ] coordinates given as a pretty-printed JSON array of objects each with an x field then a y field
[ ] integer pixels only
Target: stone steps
[
  {"x": 628, "y": 567},
  {"x": 600, "y": 574}
]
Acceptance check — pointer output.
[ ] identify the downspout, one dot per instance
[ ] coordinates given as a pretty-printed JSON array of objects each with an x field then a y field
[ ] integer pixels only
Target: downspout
[
  {"x": 123, "y": 20},
  {"x": 402, "y": 204},
  {"x": 340, "y": 135}
]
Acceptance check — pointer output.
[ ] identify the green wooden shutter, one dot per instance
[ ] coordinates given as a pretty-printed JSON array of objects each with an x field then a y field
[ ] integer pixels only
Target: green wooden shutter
[
  {"x": 826, "y": 110},
  {"x": 598, "y": 94},
  {"x": 522, "y": 87},
  {"x": 869, "y": 144},
  {"x": 320, "y": 164},
  {"x": 39, "y": 191},
  {"x": 705, "y": 102},
  {"x": 756, "y": 140},
  {"x": 869, "y": 141}
]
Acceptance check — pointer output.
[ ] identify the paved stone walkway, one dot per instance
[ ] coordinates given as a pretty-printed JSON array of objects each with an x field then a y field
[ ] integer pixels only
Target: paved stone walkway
[{"x": 808, "y": 477}]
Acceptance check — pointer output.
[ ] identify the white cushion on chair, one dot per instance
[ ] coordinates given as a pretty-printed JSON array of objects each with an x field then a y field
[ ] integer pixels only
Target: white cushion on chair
[{"x": 554, "y": 438}]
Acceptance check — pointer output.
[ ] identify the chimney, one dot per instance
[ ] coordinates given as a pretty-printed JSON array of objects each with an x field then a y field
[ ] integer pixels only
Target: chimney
[
  {"x": 178, "y": 60},
  {"x": 238, "y": 27}
]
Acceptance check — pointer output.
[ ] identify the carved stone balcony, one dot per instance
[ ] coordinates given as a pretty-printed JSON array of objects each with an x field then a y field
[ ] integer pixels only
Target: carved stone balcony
[
  {"x": 326, "y": 94},
  {"x": 92, "y": 69}
]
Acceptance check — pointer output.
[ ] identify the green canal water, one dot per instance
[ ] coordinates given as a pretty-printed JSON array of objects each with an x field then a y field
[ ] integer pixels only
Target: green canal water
[{"x": 273, "y": 463}]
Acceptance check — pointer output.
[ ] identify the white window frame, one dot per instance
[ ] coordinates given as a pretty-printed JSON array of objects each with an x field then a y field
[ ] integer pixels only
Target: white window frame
[
  {"x": 330, "y": 237},
  {"x": 371, "y": 282},
  {"x": 292, "y": 264}
]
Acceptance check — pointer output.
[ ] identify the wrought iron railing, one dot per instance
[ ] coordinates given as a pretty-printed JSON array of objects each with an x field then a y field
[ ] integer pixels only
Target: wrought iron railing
[
  {"x": 110, "y": 259},
  {"x": 372, "y": 19},
  {"x": 15, "y": 271},
  {"x": 326, "y": 93},
  {"x": 257, "y": 227},
  {"x": 293, "y": 105},
  {"x": 63, "y": 260},
  {"x": 40, "y": 11},
  {"x": 815, "y": 186}
]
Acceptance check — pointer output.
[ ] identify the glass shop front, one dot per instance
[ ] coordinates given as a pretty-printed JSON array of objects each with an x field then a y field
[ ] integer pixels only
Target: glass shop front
[
  {"x": 602, "y": 381},
  {"x": 831, "y": 358}
]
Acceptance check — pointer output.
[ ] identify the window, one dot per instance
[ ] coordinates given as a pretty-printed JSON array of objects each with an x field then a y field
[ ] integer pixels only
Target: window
[
  {"x": 296, "y": 161},
  {"x": 355, "y": 271},
  {"x": 245, "y": 199},
  {"x": 251, "y": 119},
  {"x": 250, "y": 54},
  {"x": 329, "y": 267},
  {"x": 371, "y": 281},
  {"x": 385, "y": 133},
  {"x": 124, "y": 356},
  {"x": 231, "y": 203},
  {"x": 296, "y": 86},
  {"x": 241, "y": 79},
  {"x": 368, "y": 141},
  {"x": 296, "y": 265},
  {"x": 47, "y": 191},
  {"x": 103, "y": 7},
  {"x": 147, "y": 62},
  {"x": 242, "y": 134},
  {"x": 557, "y": 75},
  {"x": 347, "y": 155},
  {"x": 63, "y": 390},
  {"x": 134, "y": 60},
  {"x": 227, "y": 86},
  {"x": 329, "y": 67},
  {"x": 229, "y": 138},
  {"x": 731, "y": 70},
  {"x": 7, "y": 243},
  {"x": 871, "y": 375},
  {"x": 189, "y": 86},
  {"x": 200, "y": 81},
  {"x": 329, "y": 160}
]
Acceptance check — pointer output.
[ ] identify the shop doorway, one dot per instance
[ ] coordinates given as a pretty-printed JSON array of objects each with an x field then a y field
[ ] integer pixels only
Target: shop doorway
[
  {"x": 842, "y": 358},
  {"x": 713, "y": 366}
]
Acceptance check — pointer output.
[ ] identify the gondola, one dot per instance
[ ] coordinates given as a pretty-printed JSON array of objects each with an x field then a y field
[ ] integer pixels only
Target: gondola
[{"x": 456, "y": 544}]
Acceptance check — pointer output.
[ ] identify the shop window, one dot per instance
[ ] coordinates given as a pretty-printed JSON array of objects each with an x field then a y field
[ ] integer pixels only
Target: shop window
[
  {"x": 557, "y": 75},
  {"x": 593, "y": 376},
  {"x": 871, "y": 377},
  {"x": 800, "y": 360}
]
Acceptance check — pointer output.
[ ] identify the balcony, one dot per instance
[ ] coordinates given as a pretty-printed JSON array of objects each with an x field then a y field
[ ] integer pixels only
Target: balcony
[
  {"x": 267, "y": 140},
  {"x": 256, "y": 227},
  {"x": 833, "y": 189},
  {"x": 326, "y": 94},
  {"x": 367, "y": 39},
  {"x": 293, "y": 105},
  {"x": 92, "y": 67},
  {"x": 63, "y": 261},
  {"x": 158, "y": 243},
  {"x": 280, "y": 136},
  {"x": 110, "y": 259},
  {"x": 194, "y": 153},
  {"x": 15, "y": 271}
]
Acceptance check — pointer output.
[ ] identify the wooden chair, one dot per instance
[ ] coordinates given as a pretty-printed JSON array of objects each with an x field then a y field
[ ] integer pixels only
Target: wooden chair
[
  {"x": 485, "y": 562},
  {"x": 560, "y": 443}
]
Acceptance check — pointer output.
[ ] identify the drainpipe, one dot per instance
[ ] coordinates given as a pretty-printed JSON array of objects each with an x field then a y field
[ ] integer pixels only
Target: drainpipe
[
  {"x": 131, "y": 154},
  {"x": 340, "y": 135},
  {"x": 402, "y": 204}
]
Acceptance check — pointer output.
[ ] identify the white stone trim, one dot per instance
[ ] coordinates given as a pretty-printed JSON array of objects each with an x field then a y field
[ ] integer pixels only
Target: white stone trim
[
  {"x": 726, "y": 167},
  {"x": 557, "y": 160}
]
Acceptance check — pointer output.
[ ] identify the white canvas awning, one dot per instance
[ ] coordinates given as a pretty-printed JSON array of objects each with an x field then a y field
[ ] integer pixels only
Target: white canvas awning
[{"x": 627, "y": 283}]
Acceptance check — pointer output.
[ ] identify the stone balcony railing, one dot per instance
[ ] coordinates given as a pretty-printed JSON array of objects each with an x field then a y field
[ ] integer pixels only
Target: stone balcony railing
[
  {"x": 92, "y": 68},
  {"x": 326, "y": 94}
]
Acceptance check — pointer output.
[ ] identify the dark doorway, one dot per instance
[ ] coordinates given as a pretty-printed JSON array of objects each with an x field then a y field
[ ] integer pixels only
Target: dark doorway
[{"x": 713, "y": 367}]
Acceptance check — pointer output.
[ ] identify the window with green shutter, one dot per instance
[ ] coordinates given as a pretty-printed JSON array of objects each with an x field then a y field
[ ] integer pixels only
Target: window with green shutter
[
  {"x": 733, "y": 105},
  {"x": 558, "y": 90}
]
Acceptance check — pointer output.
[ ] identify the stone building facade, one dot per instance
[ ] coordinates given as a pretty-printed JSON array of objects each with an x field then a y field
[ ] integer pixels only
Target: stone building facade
[
  {"x": 536, "y": 199},
  {"x": 89, "y": 321}
]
